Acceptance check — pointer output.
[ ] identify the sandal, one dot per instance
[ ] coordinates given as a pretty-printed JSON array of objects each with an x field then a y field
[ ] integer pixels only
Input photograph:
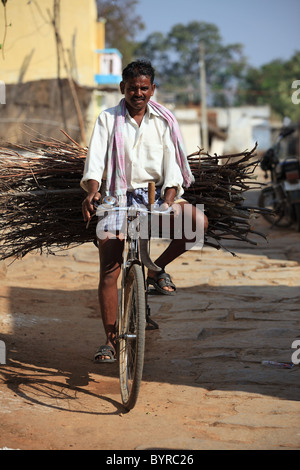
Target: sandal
[
  {"x": 105, "y": 351},
  {"x": 161, "y": 280}
]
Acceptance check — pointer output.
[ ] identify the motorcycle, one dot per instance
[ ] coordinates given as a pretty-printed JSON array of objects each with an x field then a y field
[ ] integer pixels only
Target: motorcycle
[{"x": 282, "y": 196}]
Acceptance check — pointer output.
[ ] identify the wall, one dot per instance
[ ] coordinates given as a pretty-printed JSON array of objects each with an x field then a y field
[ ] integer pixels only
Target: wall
[
  {"x": 234, "y": 129},
  {"x": 34, "y": 108},
  {"x": 244, "y": 126},
  {"x": 190, "y": 128},
  {"x": 30, "y": 48},
  {"x": 29, "y": 71}
]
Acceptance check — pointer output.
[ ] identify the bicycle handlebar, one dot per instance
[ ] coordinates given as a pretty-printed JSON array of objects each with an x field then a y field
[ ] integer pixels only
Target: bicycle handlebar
[
  {"x": 151, "y": 193},
  {"x": 109, "y": 203}
]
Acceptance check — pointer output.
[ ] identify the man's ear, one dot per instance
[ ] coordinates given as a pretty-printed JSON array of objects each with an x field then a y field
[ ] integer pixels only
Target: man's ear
[
  {"x": 153, "y": 89},
  {"x": 122, "y": 87}
]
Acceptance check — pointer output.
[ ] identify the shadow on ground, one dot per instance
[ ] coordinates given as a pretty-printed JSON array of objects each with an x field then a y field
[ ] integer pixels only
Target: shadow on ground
[{"x": 218, "y": 343}]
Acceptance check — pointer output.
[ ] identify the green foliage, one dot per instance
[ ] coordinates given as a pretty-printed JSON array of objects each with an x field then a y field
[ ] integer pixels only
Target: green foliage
[
  {"x": 176, "y": 57},
  {"x": 271, "y": 84},
  {"x": 122, "y": 24}
]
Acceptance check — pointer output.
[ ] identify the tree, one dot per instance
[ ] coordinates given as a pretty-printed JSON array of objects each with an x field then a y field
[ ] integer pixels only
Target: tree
[
  {"x": 122, "y": 25},
  {"x": 176, "y": 58},
  {"x": 272, "y": 84}
]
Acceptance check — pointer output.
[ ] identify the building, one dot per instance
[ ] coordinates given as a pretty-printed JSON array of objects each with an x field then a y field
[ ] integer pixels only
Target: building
[
  {"x": 55, "y": 57},
  {"x": 245, "y": 126},
  {"x": 46, "y": 38},
  {"x": 109, "y": 61}
]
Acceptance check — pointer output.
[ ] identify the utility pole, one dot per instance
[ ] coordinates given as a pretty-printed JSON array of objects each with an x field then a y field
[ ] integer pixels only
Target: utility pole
[
  {"x": 56, "y": 26},
  {"x": 204, "y": 127},
  {"x": 5, "y": 27}
]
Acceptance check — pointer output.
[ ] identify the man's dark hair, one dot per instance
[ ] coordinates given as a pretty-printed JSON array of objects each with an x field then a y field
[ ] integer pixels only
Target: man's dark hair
[{"x": 138, "y": 68}]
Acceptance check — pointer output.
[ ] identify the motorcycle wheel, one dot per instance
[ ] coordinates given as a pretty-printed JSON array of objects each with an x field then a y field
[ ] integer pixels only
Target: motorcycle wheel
[{"x": 280, "y": 216}]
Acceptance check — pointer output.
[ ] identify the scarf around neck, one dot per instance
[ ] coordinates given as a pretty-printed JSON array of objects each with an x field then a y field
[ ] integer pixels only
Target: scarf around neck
[{"x": 116, "y": 183}]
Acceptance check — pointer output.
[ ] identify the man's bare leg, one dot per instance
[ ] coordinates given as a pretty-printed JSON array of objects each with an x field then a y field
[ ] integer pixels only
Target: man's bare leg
[
  {"x": 195, "y": 218},
  {"x": 110, "y": 253}
]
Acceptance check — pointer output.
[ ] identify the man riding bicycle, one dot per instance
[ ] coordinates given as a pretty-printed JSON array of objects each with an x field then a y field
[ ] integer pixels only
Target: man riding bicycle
[{"x": 132, "y": 144}]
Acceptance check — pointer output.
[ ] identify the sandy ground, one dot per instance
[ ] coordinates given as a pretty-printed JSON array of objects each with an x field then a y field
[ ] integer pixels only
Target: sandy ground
[{"x": 204, "y": 386}]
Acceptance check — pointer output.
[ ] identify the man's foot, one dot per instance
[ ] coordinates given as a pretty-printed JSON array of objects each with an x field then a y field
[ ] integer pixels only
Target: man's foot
[
  {"x": 106, "y": 354},
  {"x": 161, "y": 282}
]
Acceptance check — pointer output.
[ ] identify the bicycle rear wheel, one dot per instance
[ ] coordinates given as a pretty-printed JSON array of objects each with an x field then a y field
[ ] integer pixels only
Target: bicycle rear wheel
[{"x": 132, "y": 337}]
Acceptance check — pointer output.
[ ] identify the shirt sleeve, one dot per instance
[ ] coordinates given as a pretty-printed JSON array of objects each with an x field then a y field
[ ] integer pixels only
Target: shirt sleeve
[
  {"x": 172, "y": 173},
  {"x": 97, "y": 154}
]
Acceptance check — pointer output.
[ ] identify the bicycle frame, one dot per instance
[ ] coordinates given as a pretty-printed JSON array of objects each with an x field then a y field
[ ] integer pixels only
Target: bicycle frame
[
  {"x": 136, "y": 248},
  {"x": 131, "y": 254},
  {"x": 133, "y": 310}
]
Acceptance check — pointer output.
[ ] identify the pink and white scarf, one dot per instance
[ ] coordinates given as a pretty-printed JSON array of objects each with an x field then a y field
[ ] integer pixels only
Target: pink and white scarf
[{"x": 116, "y": 183}]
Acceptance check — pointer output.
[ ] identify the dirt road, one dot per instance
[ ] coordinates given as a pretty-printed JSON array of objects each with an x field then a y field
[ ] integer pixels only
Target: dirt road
[{"x": 204, "y": 385}]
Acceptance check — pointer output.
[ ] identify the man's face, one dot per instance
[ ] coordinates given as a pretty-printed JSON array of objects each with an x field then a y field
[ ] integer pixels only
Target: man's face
[{"x": 138, "y": 92}]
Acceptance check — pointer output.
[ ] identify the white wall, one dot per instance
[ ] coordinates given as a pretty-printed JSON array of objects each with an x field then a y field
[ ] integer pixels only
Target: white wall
[{"x": 244, "y": 126}]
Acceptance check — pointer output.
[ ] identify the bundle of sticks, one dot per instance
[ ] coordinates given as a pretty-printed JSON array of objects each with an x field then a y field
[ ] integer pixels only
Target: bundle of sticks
[
  {"x": 40, "y": 197},
  {"x": 220, "y": 185}
]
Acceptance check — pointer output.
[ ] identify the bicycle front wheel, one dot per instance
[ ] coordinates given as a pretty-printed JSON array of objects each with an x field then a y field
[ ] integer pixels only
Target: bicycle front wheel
[{"x": 132, "y": 337}]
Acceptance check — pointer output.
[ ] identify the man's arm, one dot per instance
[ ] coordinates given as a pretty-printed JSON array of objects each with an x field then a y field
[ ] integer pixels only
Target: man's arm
[
  {"x": 94, "y": 166},
  {"x": 173, "y": 178}
]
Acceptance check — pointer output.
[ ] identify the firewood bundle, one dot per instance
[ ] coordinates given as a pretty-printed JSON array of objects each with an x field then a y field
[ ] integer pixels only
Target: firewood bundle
[
  {"x": 220, "y": 185},
  {"x": 40, "y": 197}
]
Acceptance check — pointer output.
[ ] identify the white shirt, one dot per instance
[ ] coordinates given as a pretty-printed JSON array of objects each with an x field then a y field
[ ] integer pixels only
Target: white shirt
[{"x": 149, "y": 152}]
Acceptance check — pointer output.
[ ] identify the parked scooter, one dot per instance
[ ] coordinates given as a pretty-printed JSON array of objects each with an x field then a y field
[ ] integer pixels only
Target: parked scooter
[{"x": 283, "y": 195}]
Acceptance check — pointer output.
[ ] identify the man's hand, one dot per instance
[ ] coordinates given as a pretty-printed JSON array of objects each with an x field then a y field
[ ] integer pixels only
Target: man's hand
[
  {"x": 88, "y": 208},
  {"x": 170, "y": 194},
  {"x": 93, "y": 196}
]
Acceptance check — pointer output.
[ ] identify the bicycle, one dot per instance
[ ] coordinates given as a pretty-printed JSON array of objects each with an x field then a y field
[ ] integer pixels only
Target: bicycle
[{"x": 134, "y": 310}]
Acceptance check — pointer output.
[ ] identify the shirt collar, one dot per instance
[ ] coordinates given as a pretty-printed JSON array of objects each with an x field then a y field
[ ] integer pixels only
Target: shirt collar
[{"x": 151, "y": 110}]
